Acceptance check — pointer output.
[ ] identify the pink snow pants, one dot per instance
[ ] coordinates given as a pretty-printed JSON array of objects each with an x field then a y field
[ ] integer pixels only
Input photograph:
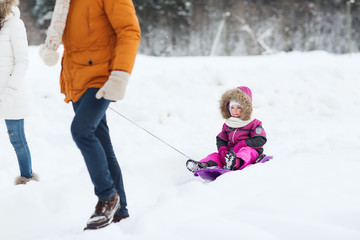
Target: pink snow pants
[{"x": 247, "y": 154}]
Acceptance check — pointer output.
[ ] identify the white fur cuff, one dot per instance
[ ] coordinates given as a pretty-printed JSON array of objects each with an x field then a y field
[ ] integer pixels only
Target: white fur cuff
[{"x": 50, "y": 57}]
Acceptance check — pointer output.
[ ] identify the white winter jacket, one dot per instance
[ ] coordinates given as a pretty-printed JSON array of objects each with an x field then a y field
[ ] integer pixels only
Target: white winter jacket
[{"x": 13, "y": 65}]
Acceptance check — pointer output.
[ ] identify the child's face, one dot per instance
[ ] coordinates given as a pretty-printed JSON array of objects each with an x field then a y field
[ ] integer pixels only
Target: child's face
[{"x": 235, "y": 111}]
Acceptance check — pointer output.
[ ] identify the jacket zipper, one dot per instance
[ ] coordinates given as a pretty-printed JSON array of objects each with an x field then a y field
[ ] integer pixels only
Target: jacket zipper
[{"x": 233, "y": 140}]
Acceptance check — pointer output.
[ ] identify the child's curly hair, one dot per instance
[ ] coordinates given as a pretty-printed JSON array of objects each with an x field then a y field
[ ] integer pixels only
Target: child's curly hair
[{"x": 5, "y": 9}]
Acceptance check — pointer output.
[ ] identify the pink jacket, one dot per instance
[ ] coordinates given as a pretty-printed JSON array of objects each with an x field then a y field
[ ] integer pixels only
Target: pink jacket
[{"x": 253, "y": 134}]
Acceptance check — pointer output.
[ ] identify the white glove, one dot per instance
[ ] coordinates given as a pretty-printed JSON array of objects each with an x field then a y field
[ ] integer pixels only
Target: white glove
[
  {"x": 49, "y": 56},
  {"x": 114, "y": 88}
]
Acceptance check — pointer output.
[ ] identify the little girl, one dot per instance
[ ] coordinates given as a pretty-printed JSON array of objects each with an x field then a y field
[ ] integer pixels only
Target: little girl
[{"x": 242, "y": 137}]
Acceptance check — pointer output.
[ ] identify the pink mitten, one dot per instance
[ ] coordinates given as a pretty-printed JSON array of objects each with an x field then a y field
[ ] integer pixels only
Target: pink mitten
[
  {"x": 239, "y": 145},
  {"x": 222, "y": 152}
]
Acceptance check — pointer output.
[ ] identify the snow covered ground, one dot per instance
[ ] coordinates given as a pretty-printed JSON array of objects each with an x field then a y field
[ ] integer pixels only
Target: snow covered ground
[{"x": 308, "y": 103}]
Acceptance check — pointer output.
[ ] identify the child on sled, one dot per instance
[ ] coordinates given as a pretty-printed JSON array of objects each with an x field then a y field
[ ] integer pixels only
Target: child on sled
[{"x": 242, "y": 137}]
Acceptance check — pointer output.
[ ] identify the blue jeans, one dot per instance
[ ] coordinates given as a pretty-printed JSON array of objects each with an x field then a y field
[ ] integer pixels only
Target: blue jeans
[
  {"x": 17, "y": 138},
  {"x": 90, "y": 132}
]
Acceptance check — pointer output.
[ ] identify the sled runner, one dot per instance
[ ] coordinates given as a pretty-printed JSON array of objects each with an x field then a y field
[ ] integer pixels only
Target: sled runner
[{"x": 211, "y": 173}]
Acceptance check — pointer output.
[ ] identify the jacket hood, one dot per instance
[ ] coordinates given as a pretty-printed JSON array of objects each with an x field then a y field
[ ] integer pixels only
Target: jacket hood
[{"x": 243, "y": 96}]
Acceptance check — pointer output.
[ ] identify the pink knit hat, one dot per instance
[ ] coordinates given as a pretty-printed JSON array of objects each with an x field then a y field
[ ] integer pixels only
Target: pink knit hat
[{"x": 246, "y": 90}]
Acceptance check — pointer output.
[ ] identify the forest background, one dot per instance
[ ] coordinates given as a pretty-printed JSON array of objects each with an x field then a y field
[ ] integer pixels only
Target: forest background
[{"x": 229, "y": 27}]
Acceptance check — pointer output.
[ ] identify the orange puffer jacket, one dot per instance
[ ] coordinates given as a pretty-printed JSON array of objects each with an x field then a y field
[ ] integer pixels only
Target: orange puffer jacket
[{"x": 100, "y": 36}]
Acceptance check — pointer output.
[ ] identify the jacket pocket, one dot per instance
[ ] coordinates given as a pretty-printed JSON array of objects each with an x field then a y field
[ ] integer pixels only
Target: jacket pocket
[
  {"x": 90, "y": 58},
  {"x": 89, "y": 68}
]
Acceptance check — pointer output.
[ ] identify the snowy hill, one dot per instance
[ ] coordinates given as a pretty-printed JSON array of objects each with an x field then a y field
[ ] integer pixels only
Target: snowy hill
[{"x": 309, "y": 106}]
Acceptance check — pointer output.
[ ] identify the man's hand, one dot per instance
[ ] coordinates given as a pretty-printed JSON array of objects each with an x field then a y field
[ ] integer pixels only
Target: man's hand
[{"x": 114, "y": 88}]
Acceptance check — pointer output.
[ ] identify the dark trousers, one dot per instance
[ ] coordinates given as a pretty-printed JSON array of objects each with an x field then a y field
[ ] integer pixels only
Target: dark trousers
[{"x": 90, "y": 132}]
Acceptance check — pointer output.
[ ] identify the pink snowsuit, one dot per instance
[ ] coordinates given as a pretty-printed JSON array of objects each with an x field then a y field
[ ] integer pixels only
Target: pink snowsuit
[{"x": 253, "y": 137}]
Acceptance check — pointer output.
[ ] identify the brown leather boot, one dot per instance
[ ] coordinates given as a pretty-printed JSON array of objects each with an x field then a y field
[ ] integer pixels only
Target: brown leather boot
[
  {"x": 104, "y": 213},
  {"x": 118, "y": 218}
]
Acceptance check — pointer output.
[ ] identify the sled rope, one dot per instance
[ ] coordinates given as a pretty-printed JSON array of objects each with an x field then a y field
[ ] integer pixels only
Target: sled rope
[{"x": 148, "y": 132}]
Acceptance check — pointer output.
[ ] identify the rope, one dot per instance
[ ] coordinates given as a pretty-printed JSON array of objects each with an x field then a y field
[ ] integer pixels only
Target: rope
[{"x": 149, "y": 132}]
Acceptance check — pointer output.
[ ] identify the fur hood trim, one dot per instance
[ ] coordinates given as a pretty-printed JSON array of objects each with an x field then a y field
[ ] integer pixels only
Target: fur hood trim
[
  {"x": 23, "y": 180},
  {"x": 241, "y": 95}
]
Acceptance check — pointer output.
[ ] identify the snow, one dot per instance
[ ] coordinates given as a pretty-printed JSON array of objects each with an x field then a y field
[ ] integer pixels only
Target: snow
[{"x": 308, "y": 103}]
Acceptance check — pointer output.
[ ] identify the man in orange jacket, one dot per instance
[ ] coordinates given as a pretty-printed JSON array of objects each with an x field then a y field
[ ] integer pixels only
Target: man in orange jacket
[{"x": 101, "y": 39}]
